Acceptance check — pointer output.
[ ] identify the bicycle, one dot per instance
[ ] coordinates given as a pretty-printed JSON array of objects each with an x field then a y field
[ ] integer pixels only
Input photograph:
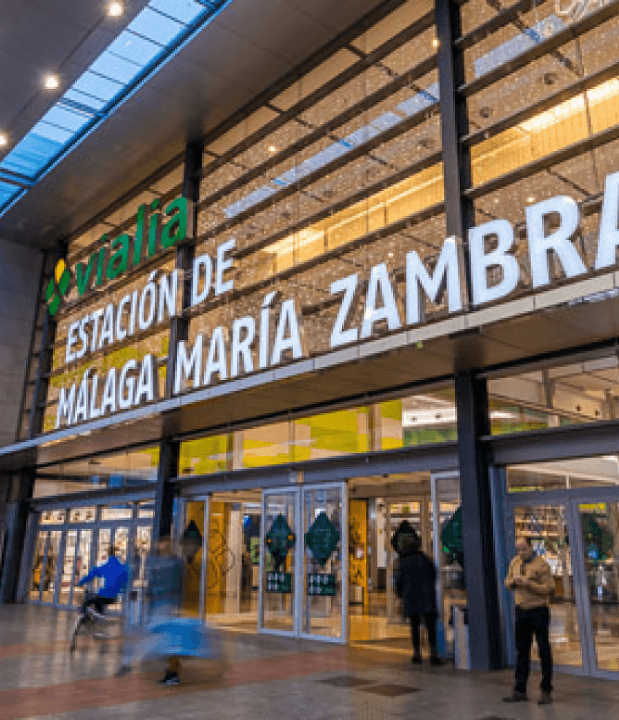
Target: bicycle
[{"x": 89, "y": 627}]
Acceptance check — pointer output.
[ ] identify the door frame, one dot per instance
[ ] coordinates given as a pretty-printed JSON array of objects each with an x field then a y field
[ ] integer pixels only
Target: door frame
[
  {"x": 295, "y": 492},
  {"x": 345, "y": 626},
  {"x": 570, "y": 498}
]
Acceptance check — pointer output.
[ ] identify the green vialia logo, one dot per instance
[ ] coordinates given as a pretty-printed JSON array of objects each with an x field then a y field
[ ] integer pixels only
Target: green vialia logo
[
  {"x": 153, "y": 229},
  {"x": 57, "y": 287}
]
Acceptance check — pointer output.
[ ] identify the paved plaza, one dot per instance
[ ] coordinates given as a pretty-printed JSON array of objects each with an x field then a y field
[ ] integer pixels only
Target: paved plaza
[{"x": 264, "y": 677}]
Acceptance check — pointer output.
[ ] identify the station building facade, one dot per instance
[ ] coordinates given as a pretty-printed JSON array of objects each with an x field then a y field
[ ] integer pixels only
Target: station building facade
[{"x": 384, "y": 296}]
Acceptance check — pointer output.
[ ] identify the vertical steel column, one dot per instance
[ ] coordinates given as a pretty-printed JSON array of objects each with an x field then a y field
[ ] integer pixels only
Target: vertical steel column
[
  {"x": 185, "y": 253},
  {"x": 179, "y": 330},
  {"x": 471, "y": 392},
  {"x": 165, "y": 492},
  {"x": 459, "y": 210},
  {"x": 485, "y": 641},
  {"x": 16, "y": 526}
]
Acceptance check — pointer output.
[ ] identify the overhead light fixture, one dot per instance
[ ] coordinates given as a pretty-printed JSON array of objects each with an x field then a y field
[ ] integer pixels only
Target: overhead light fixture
[
  {"x": 434, "y": 43},
  {"x": 272, "y": 148},
  {"x": 115, "y": 9},
  {"x": 4, "y": 141},
  {"x": 51, "y": 82},
  {"x": 530, "y": 199}
]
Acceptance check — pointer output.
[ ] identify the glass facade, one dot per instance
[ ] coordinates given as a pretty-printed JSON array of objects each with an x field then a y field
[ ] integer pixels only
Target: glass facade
[
  {"x": 556, "y": 395},
  {"x": 424, "y": 418},
  {"x": 117, "y": 470},
  {"x": 342, "y": 170}
]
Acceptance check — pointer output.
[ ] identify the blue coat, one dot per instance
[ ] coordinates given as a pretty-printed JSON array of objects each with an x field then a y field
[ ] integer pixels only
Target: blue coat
[
  {"x": 115, "y": 578},
  {"x": 417, "y": 584}
]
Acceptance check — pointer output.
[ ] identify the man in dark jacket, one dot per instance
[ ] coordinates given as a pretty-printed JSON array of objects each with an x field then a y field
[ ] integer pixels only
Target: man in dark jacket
[{"x": 417, "y": 588}]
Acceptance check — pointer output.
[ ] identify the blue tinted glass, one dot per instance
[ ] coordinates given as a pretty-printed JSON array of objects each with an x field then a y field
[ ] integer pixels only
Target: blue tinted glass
[
  {"x": 97, "y": 86},
  {"x": 52, "y": 132},
  {"x": 155, "y": 26},
  {"x": 7, "y": 191},
  {"x": 67, "y": 119},
  {"x": 31, "y": 154},
  {"x": 184, "y": 10},
  {"x": 115, "y": 67},
  {"x": 84, "y": 99},
  {"x": 134, "y": 48}
]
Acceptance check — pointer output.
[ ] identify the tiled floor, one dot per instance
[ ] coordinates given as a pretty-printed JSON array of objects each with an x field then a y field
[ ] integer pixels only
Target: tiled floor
[{"x": 265, "y": 678}]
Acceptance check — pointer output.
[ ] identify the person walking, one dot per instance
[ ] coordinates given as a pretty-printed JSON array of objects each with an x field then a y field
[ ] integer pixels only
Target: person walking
[
  {"x": 417, "y": 587},
  {"x": 530, "y": 578}
]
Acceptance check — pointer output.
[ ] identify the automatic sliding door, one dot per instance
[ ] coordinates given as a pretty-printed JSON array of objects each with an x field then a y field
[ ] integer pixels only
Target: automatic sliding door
[
  {"x": 549, "y": 528},
  {"x": 599, "y": 551},
  {"x": 278, "y": 564},
  {"x": 325, "y": 561}
]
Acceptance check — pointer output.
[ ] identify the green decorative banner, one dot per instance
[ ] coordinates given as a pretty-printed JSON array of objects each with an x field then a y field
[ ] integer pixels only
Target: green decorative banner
[
  {"x": 322, "y": 538},
  {"x": 280, "y": 539}
]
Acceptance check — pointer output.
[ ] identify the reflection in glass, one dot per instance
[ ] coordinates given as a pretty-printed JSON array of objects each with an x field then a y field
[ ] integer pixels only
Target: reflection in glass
[
  {"x": 82, "y": 564},
  {"x": 141, "y": 551},
  {"x": 66, "y": 578},
  {"x": 546, "y": 527},
  {"x": 49, "y": 579},
  {"x": 80, "y": 515},
  {"x": 38, "y": 573},
  {"x": 279, "y": 561},
  {"x": 602, "y": 471},
  {"x": 232, "y": 570},
  {"x": 600, "y": 535}
]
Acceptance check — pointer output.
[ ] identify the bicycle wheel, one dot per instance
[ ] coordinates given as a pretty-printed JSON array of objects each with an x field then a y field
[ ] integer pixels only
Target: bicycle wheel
[{"x": 82, "y": 635}]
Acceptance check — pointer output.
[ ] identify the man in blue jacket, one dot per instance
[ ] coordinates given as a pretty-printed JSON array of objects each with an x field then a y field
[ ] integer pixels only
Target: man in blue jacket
[{"x": 115, "y": 579}]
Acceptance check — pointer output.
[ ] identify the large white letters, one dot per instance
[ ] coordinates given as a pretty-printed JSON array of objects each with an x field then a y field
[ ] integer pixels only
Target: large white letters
[
  {"x": 481, "y": 261},
  {"x": 558, "y": 242},
  {"x": 446, "y": 276}
]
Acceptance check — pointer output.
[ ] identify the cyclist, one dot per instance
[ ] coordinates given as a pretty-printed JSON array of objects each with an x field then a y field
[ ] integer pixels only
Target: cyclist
[{"x": 115, "y": 579}]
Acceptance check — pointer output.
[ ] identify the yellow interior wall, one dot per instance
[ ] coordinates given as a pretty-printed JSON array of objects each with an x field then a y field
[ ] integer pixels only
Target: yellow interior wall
[
  {"x": 216, "y": 583},
  {"x": 358, "y": 529}
]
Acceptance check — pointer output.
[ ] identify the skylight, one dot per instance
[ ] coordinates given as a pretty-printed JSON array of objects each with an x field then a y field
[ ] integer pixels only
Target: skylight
[{"x": 142, "y": 47}]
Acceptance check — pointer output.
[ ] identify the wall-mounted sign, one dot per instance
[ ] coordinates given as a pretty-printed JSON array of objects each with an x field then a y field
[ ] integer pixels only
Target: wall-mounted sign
[
  {"x": 274, "y": 333},
  {"x": 279, "y": 582},
  {"x": 321, "y": 585},
  {"x": 154, "y": 230}
]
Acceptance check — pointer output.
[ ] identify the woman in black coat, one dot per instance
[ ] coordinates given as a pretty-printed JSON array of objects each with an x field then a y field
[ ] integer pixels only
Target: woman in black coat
[{"x": 417, "y": 588}]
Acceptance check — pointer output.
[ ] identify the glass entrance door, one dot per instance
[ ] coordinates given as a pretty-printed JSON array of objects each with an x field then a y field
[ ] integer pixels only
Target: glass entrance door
[
  {"x": 598, "y": 533},
  {"x": 279, "y": 610},
  {"x": 577, "y": 533},
  {"x": 550, "y": 529},
  {"x": 304, "y": 562}
]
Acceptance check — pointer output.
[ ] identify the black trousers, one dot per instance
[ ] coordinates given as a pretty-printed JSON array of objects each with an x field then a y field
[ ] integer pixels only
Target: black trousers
[
  {"x": 528, "y": 623},
  {"x": 98, "y": 603},
  {"x": 430, "y": 621}
]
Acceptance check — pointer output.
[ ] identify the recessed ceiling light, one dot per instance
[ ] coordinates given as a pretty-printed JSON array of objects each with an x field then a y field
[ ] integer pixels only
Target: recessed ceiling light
[
  {"x": 115, "y": 9},
  {"x": 272, "y": 148},
  {"x": 51, "y": 82},
  {"x": 434, "y": 42},
  {"x": 530, "y": 199},
  {"x": 3, "y": 140}
]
